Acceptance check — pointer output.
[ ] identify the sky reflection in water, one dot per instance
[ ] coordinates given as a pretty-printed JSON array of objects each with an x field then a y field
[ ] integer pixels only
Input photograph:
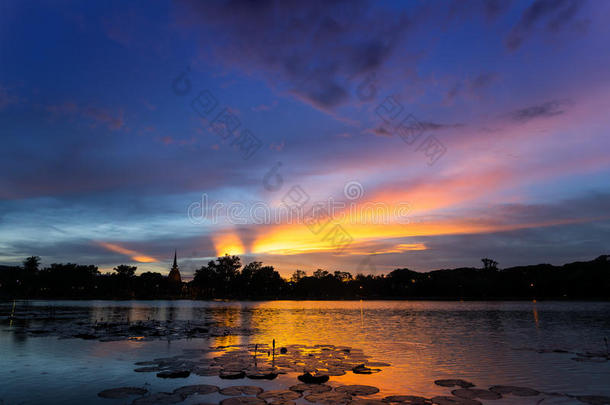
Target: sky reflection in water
[{"x": 424, "y": 341}]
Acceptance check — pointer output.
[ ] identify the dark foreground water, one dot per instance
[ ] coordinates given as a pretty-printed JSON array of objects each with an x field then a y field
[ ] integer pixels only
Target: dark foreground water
[{"x": 540, "y": 345}]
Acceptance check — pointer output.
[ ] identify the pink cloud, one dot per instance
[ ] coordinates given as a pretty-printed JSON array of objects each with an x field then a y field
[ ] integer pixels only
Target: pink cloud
[{"x": 95, "y": 115}]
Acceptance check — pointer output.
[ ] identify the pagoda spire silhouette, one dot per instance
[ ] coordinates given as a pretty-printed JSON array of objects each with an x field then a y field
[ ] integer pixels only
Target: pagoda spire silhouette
[{"x": 174, "y": 273}]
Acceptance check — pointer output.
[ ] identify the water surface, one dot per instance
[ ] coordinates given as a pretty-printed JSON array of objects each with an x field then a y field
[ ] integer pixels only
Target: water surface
[{"x": 488, "y": 343}]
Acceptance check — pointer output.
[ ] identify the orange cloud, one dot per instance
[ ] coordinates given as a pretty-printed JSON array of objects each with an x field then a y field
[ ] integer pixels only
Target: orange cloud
[
  {"x": 228, "y": 243},
  {"x": 298, "y": 239},
  {"x": 136, "y": 256},
  {"x": 401, "y": 247}
]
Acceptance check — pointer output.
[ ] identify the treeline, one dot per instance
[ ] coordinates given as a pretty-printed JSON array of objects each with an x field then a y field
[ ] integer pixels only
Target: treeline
[
  {"x": 227, "y": 278},
  {"x": 82, "y": 281}
]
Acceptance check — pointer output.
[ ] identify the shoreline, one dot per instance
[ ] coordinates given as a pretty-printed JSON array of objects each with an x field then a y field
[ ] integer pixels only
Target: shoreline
[{"x": 246, "y": 299}]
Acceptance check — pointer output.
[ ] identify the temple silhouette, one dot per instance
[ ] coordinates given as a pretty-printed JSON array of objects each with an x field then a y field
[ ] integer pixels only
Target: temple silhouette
[{"x": 174, "y": 273}]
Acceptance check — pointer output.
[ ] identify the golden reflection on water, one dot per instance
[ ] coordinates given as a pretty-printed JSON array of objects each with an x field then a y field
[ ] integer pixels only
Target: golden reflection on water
[{"x": 423, "y": 341}]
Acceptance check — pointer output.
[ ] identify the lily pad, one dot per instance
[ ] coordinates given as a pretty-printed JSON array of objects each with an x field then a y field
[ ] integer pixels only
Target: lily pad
[
  {"x": 261, "y": 375},
  {"x": 199, "y": 389},
  {"x": 241, "y": 390},
  {"x": 243, "y": 401},
  {"x": 362, "y": 369},
  {"x": 334, "y": 372},
  {"x": 174, "y": 374},
  {"x": 517, "y": 391},
  {"x": 309, "y": 378},
  {"x": 406, "y": 399},
  {"x": 205, "y": 371},
  {"x": 454, "y": 383},
  {"x": 329, "y": 398},
  {"x": 475, "y": 393},
  {"x": 357, "y": 389},
  {"x": 281, "y": 402},
  {"x": 442, "y": 400},
  {"x": 377, "y": 364},
  {"x": 311, "y": 388},
  {"x": 232, "y": 375},
  {"x": 123, "y": 392},
  {"x": 279, "y": 395}
]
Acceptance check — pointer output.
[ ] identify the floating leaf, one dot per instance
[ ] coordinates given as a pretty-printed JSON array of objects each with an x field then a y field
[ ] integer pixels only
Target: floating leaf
[
  {"x": 407, "y": 399},
  {"x": 377, "y": 364},
  {"x": 174, "y": 374},
  {"x": 311, "y": 388},
  {"x": 243, "y": 401},
  {"x": 454, "y": 383},
  {"x": 362, "y": 369},
  {"x": 357, "y": 389},
  {"x": 232, "y": 375},
  {"x": 442, "y": 400},
  {"x": 241, "y": 390},
  {"x": 273, "y": 395},
  {"x": 123, "y": 392},
  {"x": 309, "y": 378},
  {"x": 329, "y": 398},
  {"x": 474, "y": 393},
  {"x": 518, "y": 391},
  {"x": 200, "y": 389}
]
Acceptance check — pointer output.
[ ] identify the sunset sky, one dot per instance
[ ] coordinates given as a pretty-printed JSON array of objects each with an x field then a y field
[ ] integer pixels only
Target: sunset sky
[{"x": 476, "y": 128}]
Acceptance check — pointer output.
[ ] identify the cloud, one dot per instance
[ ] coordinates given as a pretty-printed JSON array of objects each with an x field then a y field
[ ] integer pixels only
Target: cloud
[
  {"x": 313, "y": 47},
  {"x": 435, "y": 126},
  {"x": 113, "y": 121},
  {"x": 424, "y": 125},
  {"x": 491, "y": 9},
  {"x": 95, "y": 115},
  {"x": 381, "y": 131},
  {"x": 558, "y": 14},
  {"x": 136, "y": 256},
  {"x": 544, "y": 110},
  {"x": 471, "y": 86}
]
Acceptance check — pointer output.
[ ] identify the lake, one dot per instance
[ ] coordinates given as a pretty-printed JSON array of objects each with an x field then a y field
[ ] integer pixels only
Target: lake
[{"x": 540, "y": 345}]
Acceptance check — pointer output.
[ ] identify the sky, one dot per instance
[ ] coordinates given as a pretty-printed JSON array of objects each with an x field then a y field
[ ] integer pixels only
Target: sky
[{"x": 356, "y": 136}]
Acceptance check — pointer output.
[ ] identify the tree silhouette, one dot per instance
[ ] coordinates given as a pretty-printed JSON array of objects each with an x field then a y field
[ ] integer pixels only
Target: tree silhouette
[
  {"x": 31, "y": 264},
  {"x": 219, "y": 277},
  {"x": 259, "y": 280},
  {"x": 125, "y": 271},
  {"x": 343, "y": 275},
  {"x": 489, "y": 264},
  {"x": 298, "y": 275},
  {"x": 320, "y": 273}
]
